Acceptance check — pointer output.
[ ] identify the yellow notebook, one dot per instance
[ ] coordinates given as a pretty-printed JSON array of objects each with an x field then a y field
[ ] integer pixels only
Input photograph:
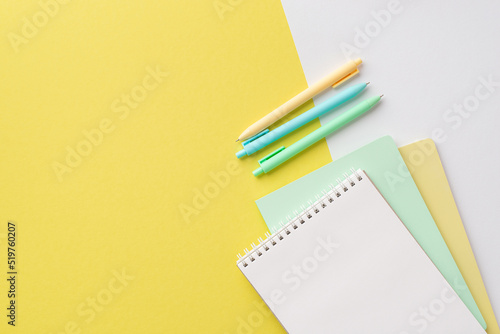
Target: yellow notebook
[{"x": 423, "y": 161}]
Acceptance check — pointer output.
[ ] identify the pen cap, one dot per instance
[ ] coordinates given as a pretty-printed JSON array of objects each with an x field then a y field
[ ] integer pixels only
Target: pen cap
[{"x": 354, "y": 64}]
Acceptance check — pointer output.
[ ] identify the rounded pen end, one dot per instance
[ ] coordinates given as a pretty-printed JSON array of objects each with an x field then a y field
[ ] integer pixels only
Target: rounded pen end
[
  {"x": 241, "y": 154},
  {"x": 258, "y": 171}
]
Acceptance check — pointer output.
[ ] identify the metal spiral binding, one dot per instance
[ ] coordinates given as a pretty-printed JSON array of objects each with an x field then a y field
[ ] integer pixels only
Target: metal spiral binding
[{"x": 307, "y": 213}]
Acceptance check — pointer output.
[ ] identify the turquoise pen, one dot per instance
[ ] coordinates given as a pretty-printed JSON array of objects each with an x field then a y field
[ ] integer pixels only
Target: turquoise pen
[
  {"x": 282, "y": 154},
  {"x": 266, "y": 137}
]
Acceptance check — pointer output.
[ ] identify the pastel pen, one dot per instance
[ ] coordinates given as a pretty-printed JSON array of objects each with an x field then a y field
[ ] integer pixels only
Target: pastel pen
[
  {"x": 282, "y": 154},
  {"x": 337, "y": 77},
  {"x": 267, "y": 137}
]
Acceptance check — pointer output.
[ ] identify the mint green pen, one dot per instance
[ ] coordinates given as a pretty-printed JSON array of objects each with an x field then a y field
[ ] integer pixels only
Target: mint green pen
[{"x": 282, "y": 154}]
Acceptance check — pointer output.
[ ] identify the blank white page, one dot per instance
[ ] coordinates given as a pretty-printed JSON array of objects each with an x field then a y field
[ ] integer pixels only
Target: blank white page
[{"x": 353, "y": 267}]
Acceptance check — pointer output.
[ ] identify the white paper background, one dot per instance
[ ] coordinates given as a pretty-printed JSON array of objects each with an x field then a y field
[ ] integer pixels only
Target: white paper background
[{"x": 427, "y": 57}]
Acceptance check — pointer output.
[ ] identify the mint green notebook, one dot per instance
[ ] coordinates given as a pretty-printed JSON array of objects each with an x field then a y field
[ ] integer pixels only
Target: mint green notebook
[{"x": 385, "y": 167}]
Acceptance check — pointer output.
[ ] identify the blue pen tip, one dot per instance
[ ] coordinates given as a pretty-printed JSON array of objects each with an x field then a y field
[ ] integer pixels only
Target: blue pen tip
[{"x": 241, "y": 154}]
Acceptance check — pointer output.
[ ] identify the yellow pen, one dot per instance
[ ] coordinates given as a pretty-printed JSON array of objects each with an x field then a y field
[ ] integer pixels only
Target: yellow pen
[{"x": 335, "y": 78}]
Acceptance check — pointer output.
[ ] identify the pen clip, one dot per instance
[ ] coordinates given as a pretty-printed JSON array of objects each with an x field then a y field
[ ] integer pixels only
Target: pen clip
[
  {"x": 272, "y": 154},
  {"x": 258, "y": 135},
  {"x": 347, "y": 77}
]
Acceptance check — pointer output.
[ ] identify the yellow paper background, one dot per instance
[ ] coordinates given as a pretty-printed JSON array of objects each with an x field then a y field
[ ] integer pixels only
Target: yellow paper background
[{"x": 119, "y": 208}]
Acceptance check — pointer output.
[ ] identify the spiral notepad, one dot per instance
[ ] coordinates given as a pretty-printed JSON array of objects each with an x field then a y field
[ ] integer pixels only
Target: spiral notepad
[{"x": 346, "y": 264}]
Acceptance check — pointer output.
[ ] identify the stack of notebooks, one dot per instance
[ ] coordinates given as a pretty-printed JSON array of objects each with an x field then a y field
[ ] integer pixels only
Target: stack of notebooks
[{"x": 371, "y": 243}]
